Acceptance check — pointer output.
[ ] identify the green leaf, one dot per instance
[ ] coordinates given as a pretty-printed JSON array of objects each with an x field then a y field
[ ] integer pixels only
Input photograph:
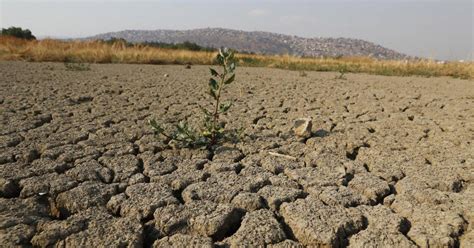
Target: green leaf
[
  {"x": 220, "y": 59},
  {"x": 213, "y": 84},
  {"x": 224, "y": 52},
  {"x": 214, "y": 72},
  {"x": 206, "y": 133},
  {"x": 184, "y": 133},
  {"x": 230, "y": 80},
  {"x": 230, "y": 55},
  {"x": 182, "y": 125},
  {"x": 232, "y": 67},
  {"x": 155, "y": 126},
  {"x": 224, "y": 107},
  {"x": 213, "y": 93},
  {"x": 205, "y": 111}
]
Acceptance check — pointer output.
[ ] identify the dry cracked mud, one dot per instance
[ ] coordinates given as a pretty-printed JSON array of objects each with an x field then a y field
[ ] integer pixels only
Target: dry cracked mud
[{"x": 390, "y": 160}]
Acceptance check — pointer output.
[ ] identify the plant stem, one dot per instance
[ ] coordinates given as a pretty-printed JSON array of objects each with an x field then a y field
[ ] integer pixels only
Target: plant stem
[{"x": 216, "y": 109}]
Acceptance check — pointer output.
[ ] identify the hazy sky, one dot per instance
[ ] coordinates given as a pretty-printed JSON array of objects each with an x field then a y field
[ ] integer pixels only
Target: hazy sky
[{"x": 440, "y": 29}]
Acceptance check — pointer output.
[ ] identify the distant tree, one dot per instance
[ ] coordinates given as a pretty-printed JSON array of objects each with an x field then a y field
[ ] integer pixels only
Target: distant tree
[{"x": 19, "y": 33}]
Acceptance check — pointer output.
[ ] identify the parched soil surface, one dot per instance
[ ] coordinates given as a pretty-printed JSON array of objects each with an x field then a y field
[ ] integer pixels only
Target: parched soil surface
[{"x": 390, "y": 162}]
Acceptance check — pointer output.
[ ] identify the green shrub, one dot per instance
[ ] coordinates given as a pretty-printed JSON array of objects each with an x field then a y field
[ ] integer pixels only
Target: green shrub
[{"x": 18, "y": 33}]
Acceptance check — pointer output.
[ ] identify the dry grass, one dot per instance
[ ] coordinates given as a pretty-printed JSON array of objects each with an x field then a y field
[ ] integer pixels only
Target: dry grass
[
  {"x": 95, "y": 52},
  {"x": 427, "y": 68},
  {"x": 100, "y": 52}
]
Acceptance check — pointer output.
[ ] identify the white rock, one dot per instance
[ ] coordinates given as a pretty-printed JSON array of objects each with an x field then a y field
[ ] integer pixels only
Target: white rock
[{"x": 302, "y": 127}]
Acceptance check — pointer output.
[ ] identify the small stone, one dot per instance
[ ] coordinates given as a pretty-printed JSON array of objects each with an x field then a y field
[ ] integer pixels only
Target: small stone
[
  {"x": 166, "y": 75},
  {"x": 302, "y": 127}
]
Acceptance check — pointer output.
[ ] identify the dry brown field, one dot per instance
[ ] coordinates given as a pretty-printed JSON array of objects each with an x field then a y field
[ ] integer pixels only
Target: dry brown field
[{"x": 390, "y": 162}]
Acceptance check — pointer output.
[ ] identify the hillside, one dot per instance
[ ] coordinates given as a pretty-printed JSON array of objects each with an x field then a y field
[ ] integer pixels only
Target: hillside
[{"x": 260, "y": 42}]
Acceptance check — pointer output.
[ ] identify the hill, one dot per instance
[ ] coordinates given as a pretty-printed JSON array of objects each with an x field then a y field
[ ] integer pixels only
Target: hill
[{"x": 260, "y": 42}]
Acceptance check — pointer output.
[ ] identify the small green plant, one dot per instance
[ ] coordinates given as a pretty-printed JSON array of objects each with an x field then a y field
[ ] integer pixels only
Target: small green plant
[
  {"x": 213, "y": 130},
  {"x": 76, "y": 66},
  {"x": 342, "y": 72}
]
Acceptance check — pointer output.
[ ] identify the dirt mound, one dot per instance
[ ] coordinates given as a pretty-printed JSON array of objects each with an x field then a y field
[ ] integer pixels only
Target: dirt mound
[{"x": 389, "y": 162}]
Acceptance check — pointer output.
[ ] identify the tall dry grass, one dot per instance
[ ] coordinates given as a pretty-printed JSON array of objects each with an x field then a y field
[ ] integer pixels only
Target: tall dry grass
[
  {"x": 427, "y": 68},
  {"x": 95, "y": 52},
  {"x": 101, "y": 52}
]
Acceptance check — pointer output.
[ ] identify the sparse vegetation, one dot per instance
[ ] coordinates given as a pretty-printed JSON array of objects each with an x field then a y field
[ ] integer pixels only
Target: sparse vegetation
[
  {"x": 102, "y": 52},
  {"x": 342, "y": 72},
  {"x": 18, "y": 33},
  {"x": 213, "y": 130},
  {"x": 190, "y": 46},
  {"x": 72, "y": 65}
]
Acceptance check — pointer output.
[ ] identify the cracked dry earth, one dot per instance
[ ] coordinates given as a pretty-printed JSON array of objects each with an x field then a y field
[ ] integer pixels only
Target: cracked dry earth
[{"x": 390, "y": 162}]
